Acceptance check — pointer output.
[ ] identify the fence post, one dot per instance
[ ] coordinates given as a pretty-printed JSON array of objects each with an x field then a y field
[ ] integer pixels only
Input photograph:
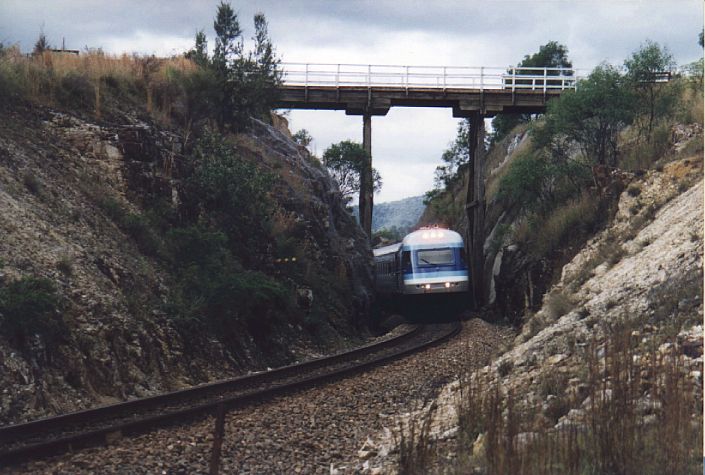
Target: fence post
[
  {"x": 545, "y": 74},
  {"x": 306, "y": 76},
  {"x": 482, "y": 78},
  {"x": 444, "y": 79},
  {"x": 218, "y": 432},
  {"x": 369, "y": 76},
  {"x": 514, "y": 79},
  {"x": 337, "y": 77}
]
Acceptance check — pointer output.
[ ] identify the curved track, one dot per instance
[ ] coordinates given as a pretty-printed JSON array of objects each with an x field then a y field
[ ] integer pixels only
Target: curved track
[{"x": 67, "y": 432}]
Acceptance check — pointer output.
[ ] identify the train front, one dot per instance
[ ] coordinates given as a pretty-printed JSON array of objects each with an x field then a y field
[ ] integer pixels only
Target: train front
[{"x": 433, "y": 262}]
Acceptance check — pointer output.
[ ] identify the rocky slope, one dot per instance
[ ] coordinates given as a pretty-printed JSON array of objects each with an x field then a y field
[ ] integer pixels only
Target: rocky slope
[
  {"x": 640, "y": 277},
  {"x": 64, "y": 177}
]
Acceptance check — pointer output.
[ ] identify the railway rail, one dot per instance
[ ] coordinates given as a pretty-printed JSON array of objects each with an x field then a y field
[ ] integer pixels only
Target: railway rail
[{"x": 59, "y": 434}]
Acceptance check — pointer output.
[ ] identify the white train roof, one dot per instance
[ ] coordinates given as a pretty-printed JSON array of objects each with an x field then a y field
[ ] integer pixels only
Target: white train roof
[
  {"x": 392, "y": 248},
  {"x": 432, "y": 236},
  {"x": 423, "y": 238}
]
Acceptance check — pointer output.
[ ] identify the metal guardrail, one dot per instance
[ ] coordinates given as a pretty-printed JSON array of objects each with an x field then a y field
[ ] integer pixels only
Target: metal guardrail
[{"x": 435, "y": 77}]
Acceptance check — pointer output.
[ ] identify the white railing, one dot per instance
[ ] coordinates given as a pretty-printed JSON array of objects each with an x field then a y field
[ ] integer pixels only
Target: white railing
[{"x": 436, "y": 77}]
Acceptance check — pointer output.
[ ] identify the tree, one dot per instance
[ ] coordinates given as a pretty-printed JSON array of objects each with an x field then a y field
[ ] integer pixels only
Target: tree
[
  {"x": 302, "y": 137},
  {"x": 42, "y": 44},
  {"x": 550, "y": 55},
  {"x": 262, "y": 70},
  {"x": 228, "y": 32},
  {"x": 199, "y": 53},
  {"x": 701, "y": 42},
  {"x": 344, "y": 161},
  {"x": 644, "y": 68},
  {"x": 455, "y": 157},
  {"x": 591, "y": 117}
]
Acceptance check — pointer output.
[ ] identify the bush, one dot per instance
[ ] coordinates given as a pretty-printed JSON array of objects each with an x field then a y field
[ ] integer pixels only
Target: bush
[
  {"x": 578, "y": 217},
  {"x": 28, "y": 307},
  {"x": 214, "y": 290},
  {"x": 137, "y": 226},
  {"x": 231, "y": 194},
  {"x": 75, "y": 90}
]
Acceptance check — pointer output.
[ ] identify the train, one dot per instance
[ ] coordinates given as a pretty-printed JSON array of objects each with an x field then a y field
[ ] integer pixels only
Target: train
[{"x": 427, "y": 261}]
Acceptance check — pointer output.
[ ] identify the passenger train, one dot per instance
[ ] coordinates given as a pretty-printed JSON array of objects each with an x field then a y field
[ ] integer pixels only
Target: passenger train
[{"x": 427, "y": 261}]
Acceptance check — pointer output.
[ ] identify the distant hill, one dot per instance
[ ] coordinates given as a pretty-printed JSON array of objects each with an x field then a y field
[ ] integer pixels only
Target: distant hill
[{"x": 402, "y": 215}]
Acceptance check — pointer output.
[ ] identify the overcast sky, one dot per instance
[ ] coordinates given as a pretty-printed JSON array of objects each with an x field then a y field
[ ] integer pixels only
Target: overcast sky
[{"x": 407, "y": 143}]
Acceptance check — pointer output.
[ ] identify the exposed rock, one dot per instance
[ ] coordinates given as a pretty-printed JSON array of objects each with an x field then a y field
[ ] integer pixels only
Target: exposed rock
[{"x": 59, "y": 176}]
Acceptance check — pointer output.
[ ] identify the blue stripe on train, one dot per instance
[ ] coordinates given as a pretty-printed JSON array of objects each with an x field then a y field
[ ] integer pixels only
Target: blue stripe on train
[{"x": 432, "y": 273}]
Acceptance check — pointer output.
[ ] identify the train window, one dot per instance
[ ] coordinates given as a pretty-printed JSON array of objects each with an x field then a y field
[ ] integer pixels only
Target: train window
[
  {"x": 406, "y": 261},
  {"x": 435, "y": 257}
]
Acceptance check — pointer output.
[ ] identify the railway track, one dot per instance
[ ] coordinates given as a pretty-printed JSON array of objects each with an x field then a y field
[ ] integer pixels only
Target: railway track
[{"x": 59, "y": 434}]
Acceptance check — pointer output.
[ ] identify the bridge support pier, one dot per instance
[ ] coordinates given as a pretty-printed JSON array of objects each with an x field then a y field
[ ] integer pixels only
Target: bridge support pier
[
  {"x": 475, "y": 208},
  {"x": 366, "y": 180}
]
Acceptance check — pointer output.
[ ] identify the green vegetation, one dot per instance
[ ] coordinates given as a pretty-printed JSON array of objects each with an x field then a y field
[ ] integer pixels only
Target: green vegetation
[
  {"x": 28, "y": 307},
  {"x": 302, "y": 137},
  {"x": 550, "y": 55},
  {"x": 345, "y": 161},
  {"x": 560, "y": 185},
  {"x": 228, "y": 192},
  {"x": 455, "y": 159}
]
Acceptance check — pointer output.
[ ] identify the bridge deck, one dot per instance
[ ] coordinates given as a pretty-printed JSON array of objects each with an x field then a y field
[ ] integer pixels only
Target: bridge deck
[
  {"x": 377, "y": 100},
  {"x": 373, "y": 89}
]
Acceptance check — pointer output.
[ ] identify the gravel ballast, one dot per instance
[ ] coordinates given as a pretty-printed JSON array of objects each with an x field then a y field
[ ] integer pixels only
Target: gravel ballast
[{"x": 317, "y": 430}]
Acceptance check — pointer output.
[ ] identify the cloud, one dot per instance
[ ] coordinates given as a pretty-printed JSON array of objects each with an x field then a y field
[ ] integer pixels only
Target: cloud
[{"x": 407, "y": 144}]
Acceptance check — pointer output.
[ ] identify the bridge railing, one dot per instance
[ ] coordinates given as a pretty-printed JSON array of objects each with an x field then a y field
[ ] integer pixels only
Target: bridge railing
[{"x": 435, "y": 77}]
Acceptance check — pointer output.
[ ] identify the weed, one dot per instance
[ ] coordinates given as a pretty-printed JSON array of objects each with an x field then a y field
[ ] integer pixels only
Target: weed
[
  {"x": 31, "y": 182},
  {"x": 416, "y": 449},
  {"x": 612, "y": 436},
  {"x": 558, "y": 304},
  {"x": 65, "y": 265},
  {"x": 28, "y": 307},
  {"x": 505, "y": 367}
]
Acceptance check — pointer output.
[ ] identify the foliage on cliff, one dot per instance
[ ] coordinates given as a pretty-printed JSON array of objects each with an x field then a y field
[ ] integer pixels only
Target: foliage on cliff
[{"x": 553, "y": 181}]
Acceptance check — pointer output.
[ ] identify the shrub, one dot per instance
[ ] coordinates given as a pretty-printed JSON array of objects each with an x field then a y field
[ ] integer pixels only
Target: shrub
[
  {"x": 75, "y": 90},
  {"x": 213, "y": 289},
  {"x": 231, "y": 193},
  {"x": 137, "y": 226},
  {"x": 576, "y": 218},
  {"x": 65, "y": 265},
  {"x": 31, "y": 182},
  {"x": 27, "y": 307},
  {"x": 558, "y": 304},
  {"x": 634, "y": 190}
]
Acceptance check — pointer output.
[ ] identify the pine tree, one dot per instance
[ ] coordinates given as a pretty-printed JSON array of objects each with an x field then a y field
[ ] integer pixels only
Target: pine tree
[
  {"x": 199, "y": 53},
  {"x": 227, "y": 30}
]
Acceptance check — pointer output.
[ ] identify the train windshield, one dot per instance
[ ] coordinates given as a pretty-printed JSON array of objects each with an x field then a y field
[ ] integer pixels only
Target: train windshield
[{"x": 435, "y": 257}]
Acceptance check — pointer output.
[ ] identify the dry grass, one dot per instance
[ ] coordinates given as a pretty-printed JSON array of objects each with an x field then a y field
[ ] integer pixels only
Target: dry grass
[
  {"x": 576, "y": 217},
  {"x": 50, "y": 77},
  {"x": 642, "y": 415}
]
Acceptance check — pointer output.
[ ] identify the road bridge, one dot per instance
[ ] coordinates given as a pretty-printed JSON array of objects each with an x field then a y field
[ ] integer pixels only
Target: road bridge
[{"x": 471, "y": 92}]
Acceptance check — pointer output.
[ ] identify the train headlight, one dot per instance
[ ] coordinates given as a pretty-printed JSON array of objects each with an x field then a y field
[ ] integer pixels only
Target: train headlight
[
  {"x": 447, "y": 285},
  {"x": 428, "y": 286}
]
